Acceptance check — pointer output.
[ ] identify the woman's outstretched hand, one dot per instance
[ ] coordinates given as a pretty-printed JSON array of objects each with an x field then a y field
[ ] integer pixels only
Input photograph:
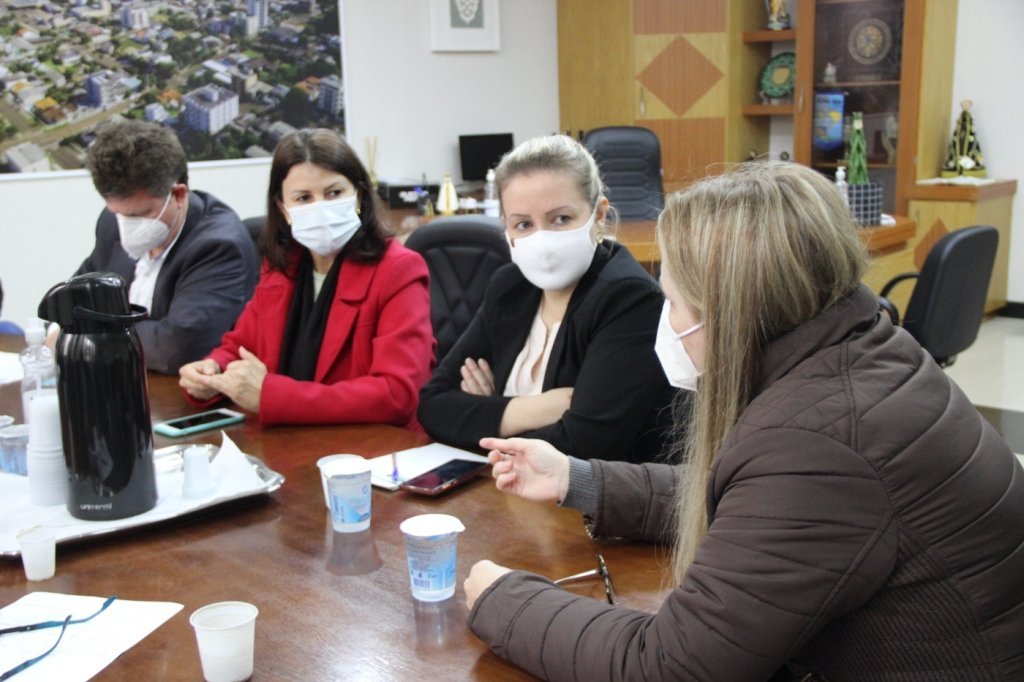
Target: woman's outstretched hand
[{"x": 530, "y": 468}]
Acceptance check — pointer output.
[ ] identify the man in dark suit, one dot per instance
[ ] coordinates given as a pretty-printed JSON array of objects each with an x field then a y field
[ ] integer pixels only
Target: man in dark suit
[{"x": 186, "y": 256}]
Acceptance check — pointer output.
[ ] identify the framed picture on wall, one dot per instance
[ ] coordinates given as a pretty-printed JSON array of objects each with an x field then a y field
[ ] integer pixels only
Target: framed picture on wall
[
  {"x": 230, "y": 80},
  {"x": 465, "y": 26}
]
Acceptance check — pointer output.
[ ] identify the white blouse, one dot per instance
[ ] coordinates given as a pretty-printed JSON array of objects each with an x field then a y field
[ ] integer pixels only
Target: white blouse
[{"x": 527, "y": 376}]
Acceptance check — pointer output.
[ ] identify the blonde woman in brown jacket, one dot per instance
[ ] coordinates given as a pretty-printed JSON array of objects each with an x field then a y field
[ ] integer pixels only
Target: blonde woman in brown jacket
[{"x": 842, "y": 512}]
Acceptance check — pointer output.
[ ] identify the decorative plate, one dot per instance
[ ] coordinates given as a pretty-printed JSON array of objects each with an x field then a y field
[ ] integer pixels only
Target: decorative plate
[
  {"x": 779, "y": 76},
  {"x": 869, "y": 41}
]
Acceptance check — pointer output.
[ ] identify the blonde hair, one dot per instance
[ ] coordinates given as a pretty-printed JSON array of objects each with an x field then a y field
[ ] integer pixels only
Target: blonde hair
[
  {"x": 755, "y": 252},
  {"x": 559, "y": 154}
]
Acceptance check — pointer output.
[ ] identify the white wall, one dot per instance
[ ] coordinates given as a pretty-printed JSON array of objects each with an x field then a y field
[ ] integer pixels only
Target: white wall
[
  {"x": 988, "y": 49},
  {"x": 417, "y": 102},
  {"x": 414, "y": 101}
]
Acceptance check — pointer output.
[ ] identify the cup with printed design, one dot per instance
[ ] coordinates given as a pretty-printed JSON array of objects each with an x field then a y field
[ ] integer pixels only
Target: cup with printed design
[
  {"x": 14, "y": 444},
  {"x": 324, "y": 461},
  {"x": 431, "y": 544},
  {"x": 348, "y": 492}
]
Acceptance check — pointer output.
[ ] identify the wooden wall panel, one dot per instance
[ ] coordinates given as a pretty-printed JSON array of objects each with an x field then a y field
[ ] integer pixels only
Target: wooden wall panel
[
  {"x": 691, "y": 148},
  {"x": 934, "y": 128},
  {"x": 680, "y": 75},
  {"x": 595, "y": 64},
  {"x": 679, "y": 16}
]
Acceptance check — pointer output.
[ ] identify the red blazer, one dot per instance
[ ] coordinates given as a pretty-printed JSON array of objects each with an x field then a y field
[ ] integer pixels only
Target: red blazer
[{"x": 377, "y": 350}]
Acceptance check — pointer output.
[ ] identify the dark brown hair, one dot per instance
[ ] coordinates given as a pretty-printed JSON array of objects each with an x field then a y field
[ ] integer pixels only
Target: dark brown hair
[
  {"x": 326, "y": 149},
  {"x": 128, "y": 156}
]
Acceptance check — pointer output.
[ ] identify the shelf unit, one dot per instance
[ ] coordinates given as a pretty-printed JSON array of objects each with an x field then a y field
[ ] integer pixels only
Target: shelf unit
[
  {"x": 907, "y": 91},
  {"x": 763, "y": 42}
]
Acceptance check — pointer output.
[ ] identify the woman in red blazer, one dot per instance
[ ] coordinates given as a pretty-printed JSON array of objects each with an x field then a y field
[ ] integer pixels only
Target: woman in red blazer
[{"x": 338, "y": 329}]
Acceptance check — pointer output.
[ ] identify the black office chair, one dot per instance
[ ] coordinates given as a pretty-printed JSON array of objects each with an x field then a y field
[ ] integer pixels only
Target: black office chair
[
  {"x": 630, "y": 163},
  {"x": 948, "y": 301},
  {"x": 462, "y": 252},
  {"x": 255, "y": 225},
  {"x": 6, "y": 326}
]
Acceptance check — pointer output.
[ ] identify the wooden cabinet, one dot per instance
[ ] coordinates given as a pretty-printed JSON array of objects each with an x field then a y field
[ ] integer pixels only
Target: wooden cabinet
[
  {"x": 689, "y": 72},
  {"x": 893, "y": 61},
  {"x": 941, "y": 209},
  {"x": 677, "y": 68}
]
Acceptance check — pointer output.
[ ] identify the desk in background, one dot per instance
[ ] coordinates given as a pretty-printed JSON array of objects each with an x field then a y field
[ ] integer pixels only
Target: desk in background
[
  {"x": 638, "y": 237},
  {"x": 279, "y": 552}
]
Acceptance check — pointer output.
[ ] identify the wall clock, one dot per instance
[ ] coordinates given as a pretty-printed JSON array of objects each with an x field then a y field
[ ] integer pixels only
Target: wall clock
[{"x": 870, "y": 41}]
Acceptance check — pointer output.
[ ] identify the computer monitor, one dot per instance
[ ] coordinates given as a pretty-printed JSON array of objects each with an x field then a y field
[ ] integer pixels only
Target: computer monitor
[{"x": 479, "y": 153}]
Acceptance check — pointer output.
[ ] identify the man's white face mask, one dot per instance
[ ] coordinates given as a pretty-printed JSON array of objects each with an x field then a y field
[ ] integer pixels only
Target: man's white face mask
[{"x": 140, "y": 235}]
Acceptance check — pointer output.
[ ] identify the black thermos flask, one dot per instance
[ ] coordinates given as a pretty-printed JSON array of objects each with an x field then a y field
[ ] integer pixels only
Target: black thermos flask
[{"x": 104, "y": 406}]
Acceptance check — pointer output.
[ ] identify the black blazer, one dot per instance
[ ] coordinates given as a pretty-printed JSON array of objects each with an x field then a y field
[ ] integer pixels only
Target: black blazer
[
  {"x": 206, "y": 279},
  {"x": 604, "y": 349}
]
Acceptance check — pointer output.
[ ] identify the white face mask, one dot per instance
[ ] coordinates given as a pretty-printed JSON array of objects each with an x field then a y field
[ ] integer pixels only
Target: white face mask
[
  {"x": 675, "y": 361},
  {"x": 141, "y": 235},
  {"x": 324, "y": 227},
  {"x": 554, "y": 259}
]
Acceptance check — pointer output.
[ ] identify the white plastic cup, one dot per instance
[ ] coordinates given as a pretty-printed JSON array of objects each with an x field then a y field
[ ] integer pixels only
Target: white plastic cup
[
  {"x": 38, "y": 552},
  {"x": 44, "y": 424},
  {"x": 47, "y": 477},
  {"x": 226, "y": 635},
  {"x": 14, "y": 440},
  {"x": 431, "y": 545},
  {"x": 321, "y": 463},
  {"x": 198, "y": 478},
  {"x": 348, "y": 490}
]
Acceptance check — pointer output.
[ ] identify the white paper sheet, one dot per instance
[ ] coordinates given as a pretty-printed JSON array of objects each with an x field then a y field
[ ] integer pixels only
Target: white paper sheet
[
  {"x": 414, "y": 462},
  {"x": 232, "y": 472},
  {"x": 86, "y": 648}
]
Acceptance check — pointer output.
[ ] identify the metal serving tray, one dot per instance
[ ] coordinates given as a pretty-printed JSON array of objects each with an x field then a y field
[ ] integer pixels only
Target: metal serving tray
[{"x": 169, "y": 460}]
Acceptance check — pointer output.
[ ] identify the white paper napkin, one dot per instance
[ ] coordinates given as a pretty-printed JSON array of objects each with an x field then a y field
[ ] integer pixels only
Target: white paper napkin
[{"x": 86, "y": 648}]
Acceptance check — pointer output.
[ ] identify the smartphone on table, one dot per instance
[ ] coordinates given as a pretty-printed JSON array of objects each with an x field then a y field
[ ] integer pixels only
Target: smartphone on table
[
  {"x": 196, "y": 423},
  {"x": 444, "y": 477}
]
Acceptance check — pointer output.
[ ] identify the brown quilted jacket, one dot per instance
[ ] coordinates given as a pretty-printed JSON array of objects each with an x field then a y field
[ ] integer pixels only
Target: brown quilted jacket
[{"x": 865, "y": 524}]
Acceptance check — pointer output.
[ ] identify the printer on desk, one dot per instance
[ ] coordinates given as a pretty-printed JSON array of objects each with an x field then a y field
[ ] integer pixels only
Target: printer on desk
[{"x": 402, "y": 193}]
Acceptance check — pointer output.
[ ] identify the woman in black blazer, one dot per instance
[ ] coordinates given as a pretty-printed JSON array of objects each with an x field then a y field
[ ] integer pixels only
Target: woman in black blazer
[{"x": 562, "y": 347}]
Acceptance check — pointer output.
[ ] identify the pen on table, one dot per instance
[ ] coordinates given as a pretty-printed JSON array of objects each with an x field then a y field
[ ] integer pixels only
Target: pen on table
[{"x": 394, "y": 467}]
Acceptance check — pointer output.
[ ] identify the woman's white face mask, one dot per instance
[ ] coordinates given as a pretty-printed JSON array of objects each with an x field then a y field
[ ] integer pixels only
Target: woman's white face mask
[
  {"x": 325, "y": 227},
  {"x": 675, "y": 361},
  {"x": 554, "y": 259}
]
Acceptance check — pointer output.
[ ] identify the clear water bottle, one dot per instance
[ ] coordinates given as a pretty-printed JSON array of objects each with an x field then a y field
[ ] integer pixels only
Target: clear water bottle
[
  {"x": 40, "y": 376},
  {"x": 491, "y": 206},
  {"x": 841, "y": 184}
]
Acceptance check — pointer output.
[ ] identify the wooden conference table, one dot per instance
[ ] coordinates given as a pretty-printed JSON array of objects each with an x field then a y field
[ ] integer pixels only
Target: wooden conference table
[{"x": 331, "y": 606}]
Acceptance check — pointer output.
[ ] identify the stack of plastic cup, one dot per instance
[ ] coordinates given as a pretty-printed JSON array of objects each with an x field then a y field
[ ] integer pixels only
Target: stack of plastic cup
[{"x": 47, "y": 472}]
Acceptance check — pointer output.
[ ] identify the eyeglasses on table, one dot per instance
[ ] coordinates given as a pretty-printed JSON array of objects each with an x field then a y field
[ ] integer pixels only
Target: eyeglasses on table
[
  {"x": 602, "y": 571},
  {"x": 62, "y": 624}
]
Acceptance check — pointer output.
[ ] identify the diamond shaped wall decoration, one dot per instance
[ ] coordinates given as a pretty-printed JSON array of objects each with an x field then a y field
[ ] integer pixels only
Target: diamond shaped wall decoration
[{"x": 680, "y": 75}]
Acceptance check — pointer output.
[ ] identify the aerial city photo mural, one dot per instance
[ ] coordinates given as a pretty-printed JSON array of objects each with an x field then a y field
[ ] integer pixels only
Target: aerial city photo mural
[{"x": 230, "y": 77}]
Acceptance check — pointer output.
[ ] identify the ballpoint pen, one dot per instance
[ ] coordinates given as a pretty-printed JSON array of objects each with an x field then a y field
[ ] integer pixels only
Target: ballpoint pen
[{"x": 394, "y": 467}]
